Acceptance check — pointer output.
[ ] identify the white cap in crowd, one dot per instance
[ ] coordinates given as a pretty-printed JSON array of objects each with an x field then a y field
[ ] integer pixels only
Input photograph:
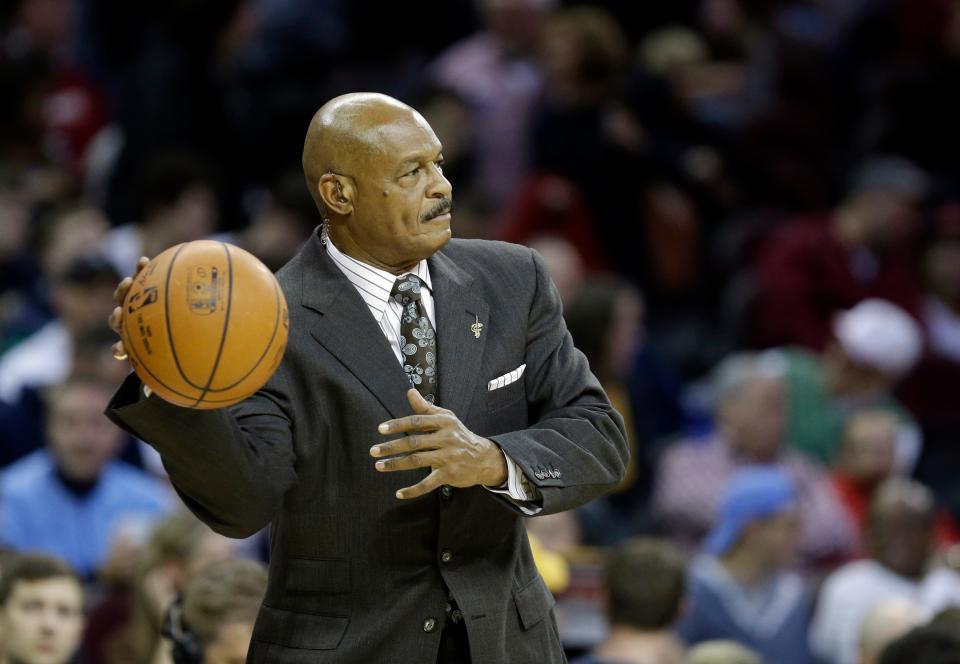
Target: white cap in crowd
[{"x": 880, "y": 335}]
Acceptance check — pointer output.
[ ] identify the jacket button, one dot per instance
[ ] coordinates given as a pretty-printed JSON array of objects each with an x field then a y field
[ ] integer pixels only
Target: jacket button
[
  {"x": 446, "y": 491},
  {"x": 429, "y": 625},
  {"x": 446, "y": 556}
]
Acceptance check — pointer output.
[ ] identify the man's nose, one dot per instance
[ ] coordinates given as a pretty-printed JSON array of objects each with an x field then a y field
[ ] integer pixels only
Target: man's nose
[{"x": 439, "y": 185}]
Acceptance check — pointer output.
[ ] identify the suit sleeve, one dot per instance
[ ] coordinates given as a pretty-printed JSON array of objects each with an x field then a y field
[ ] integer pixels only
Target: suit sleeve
[
  {"x": 575, "y": 449},
  {"x": 232, "y": 467}
]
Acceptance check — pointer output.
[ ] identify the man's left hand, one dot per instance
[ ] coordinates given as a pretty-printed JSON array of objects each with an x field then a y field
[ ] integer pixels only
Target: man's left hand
[{"x": 438, "y": 439}]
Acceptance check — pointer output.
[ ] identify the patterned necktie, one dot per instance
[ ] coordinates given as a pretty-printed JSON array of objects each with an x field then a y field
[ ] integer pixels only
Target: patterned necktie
[{"x": 418, "y": 339}]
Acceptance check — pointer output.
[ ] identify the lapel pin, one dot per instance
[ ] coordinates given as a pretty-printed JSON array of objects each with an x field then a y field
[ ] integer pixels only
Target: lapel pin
[{"x": 476, "y": 328}]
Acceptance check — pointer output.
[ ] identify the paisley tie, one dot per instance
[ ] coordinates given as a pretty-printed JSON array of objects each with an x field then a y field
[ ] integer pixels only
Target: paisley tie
[{"x": 418, "y": 339}]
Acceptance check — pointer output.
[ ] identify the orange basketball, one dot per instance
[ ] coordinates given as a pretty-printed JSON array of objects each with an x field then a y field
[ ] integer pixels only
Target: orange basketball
[{"x": 205, "y": 324}]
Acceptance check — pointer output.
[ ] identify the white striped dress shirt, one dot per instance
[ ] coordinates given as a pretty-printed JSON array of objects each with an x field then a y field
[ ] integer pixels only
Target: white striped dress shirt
[{"x": 374, "y": 286}]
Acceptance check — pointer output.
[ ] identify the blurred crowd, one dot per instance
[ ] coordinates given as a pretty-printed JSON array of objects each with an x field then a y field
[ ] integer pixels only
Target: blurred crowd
[{"x": 750, "y": 208}]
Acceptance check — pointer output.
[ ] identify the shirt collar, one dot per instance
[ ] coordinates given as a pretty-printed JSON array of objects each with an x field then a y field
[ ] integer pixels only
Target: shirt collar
[{"x": 374, "y": 284}]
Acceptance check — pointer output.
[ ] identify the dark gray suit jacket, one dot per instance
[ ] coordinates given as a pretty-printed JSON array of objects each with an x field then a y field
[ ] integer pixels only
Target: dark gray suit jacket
[{"x": 355, "y": 573}]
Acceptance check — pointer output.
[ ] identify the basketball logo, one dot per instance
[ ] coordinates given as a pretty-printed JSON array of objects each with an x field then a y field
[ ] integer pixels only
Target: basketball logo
[
  {"x": 203, "y": 287},
  {"x": 141, "y": 299}
]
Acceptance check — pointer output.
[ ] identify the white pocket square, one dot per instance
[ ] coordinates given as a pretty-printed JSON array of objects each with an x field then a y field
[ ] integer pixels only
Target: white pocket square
[{"x": 506, "y": 378}]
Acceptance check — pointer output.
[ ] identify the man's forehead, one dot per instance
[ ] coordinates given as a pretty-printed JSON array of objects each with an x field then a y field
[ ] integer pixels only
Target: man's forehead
[
  {"x": 407, "y": 138},
  {"x": 58, "y": 586}
]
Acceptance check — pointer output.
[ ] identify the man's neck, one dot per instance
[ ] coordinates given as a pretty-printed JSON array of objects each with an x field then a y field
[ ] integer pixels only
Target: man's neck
[
  {"x": 81, "y": 488},
  {"x": 628, "y": 645},
  {"x": 745, "y": 567},
  {"x": 347, "y": 246}
]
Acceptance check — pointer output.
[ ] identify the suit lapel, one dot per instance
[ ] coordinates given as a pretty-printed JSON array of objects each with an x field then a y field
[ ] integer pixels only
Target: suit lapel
[
  {"x": 346, "y": 329},
  {"x": 459, "y": 350}
]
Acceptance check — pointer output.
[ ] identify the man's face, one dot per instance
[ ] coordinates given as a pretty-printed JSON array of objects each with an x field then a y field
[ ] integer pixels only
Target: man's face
[
  {"x": 81, "y": 438},
  {"x": 776, "y": 538},
  {"x": 754, "y": 419},
  {"x": 84, "y": 306},
  {"x": 401, "y": 212},
  {"x": 230, "y": 645},
  {"x": 42, "y": 621},
  {"x": 868, "y": 452},
  {"x": 901, "y": 539}
]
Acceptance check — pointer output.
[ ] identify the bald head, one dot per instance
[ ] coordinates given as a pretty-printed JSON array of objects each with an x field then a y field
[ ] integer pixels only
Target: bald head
[
  {"x": 373, "y": 166},
  {"x": 347, "y": 132}
]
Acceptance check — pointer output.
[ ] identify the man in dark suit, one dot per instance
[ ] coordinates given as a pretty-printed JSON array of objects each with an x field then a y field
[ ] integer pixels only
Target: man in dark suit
[{"x": 418, "y": 555}]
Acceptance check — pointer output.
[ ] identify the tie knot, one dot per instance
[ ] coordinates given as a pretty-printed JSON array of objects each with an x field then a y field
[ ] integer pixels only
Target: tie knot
[{"x": 406, "y": 289}]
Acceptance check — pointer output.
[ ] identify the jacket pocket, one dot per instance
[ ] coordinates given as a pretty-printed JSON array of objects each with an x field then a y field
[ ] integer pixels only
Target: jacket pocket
[
  {"x": 308, "y": 575},
  {"x": 306, "y": 631},
  {"x": 533, "y": 601},
  {"x": 504, "y": 396}
]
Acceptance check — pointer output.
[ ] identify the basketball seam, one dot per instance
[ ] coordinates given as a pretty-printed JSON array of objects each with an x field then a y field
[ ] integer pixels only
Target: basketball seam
[
  {"x": 273, "y": 335},
  {"x": 226, "y": 325},
  {"x": 166, "y": 317},
  {"x": 140, "y": 362}
]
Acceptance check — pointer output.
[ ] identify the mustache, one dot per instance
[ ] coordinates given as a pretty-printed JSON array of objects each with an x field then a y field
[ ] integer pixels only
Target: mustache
[{"x": 444, "y": 206}]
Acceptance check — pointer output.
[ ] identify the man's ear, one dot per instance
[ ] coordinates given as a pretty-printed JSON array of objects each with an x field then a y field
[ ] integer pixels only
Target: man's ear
[{"x": 337, "y": 193}]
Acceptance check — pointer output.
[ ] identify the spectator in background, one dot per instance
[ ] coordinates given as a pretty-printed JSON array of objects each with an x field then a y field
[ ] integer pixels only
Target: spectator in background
[
  {"x": 740, "y": 588},
  {"x": 941, "y": 273},
  {"x": 586, "y": 146},
  {"x": 124, "y": 627},
  {"x": 874, "y": 345},
  {"x": 177, "y": 203},
  {"x": 866, "y": 459},
  {"x": 887, "y": 621},
  {"x": 69, "y": 499},
  {"x": 645, "y": 588},
  {"x": 749, "y": 410},
  {"x": 564, "y": 264},
  {"x": 900, "y": 541},
  {"x": 22, "y": 423},
  {"x": 930, "y": 391},
  {"x": 495, "y": 72},
  {"x": 923, "y": 645},
  {"x": 214, "y": 622},
  {"x": 606, "y": 321},
  {"x": 722, "y": 652},
  {"x": 41, "y": 611},
  {"x": 552, "y": 205},
  {"x": 64, "y": 234},
  {"x": 811, "y": 268},
  {"x": 81, "y": 294},
  {"x": 280, "y": 225}
]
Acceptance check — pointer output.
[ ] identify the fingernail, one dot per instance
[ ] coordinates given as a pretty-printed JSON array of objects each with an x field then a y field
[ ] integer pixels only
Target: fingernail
[
  {"x": 375, "y": 451},
  {"x": 383, "y": 428},
  {"x": 379, "y": 465},
  {"x": 399, "y": 494}
]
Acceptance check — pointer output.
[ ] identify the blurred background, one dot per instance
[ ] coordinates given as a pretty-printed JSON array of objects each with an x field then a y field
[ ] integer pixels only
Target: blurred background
[{"x": 751, "y": 209}]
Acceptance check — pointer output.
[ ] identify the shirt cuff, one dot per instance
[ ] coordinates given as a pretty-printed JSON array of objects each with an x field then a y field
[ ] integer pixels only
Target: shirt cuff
[{"x": 518, "y": 489}]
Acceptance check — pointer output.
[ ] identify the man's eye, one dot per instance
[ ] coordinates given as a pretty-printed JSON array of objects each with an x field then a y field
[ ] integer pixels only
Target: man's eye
[
  {"x": 439, "y": 163},
  {"x": 413, "y": 172}
]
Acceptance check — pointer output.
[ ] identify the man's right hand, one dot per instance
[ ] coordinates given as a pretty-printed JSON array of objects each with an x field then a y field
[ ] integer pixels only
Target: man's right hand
[{"x": 116, "y": 316}]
